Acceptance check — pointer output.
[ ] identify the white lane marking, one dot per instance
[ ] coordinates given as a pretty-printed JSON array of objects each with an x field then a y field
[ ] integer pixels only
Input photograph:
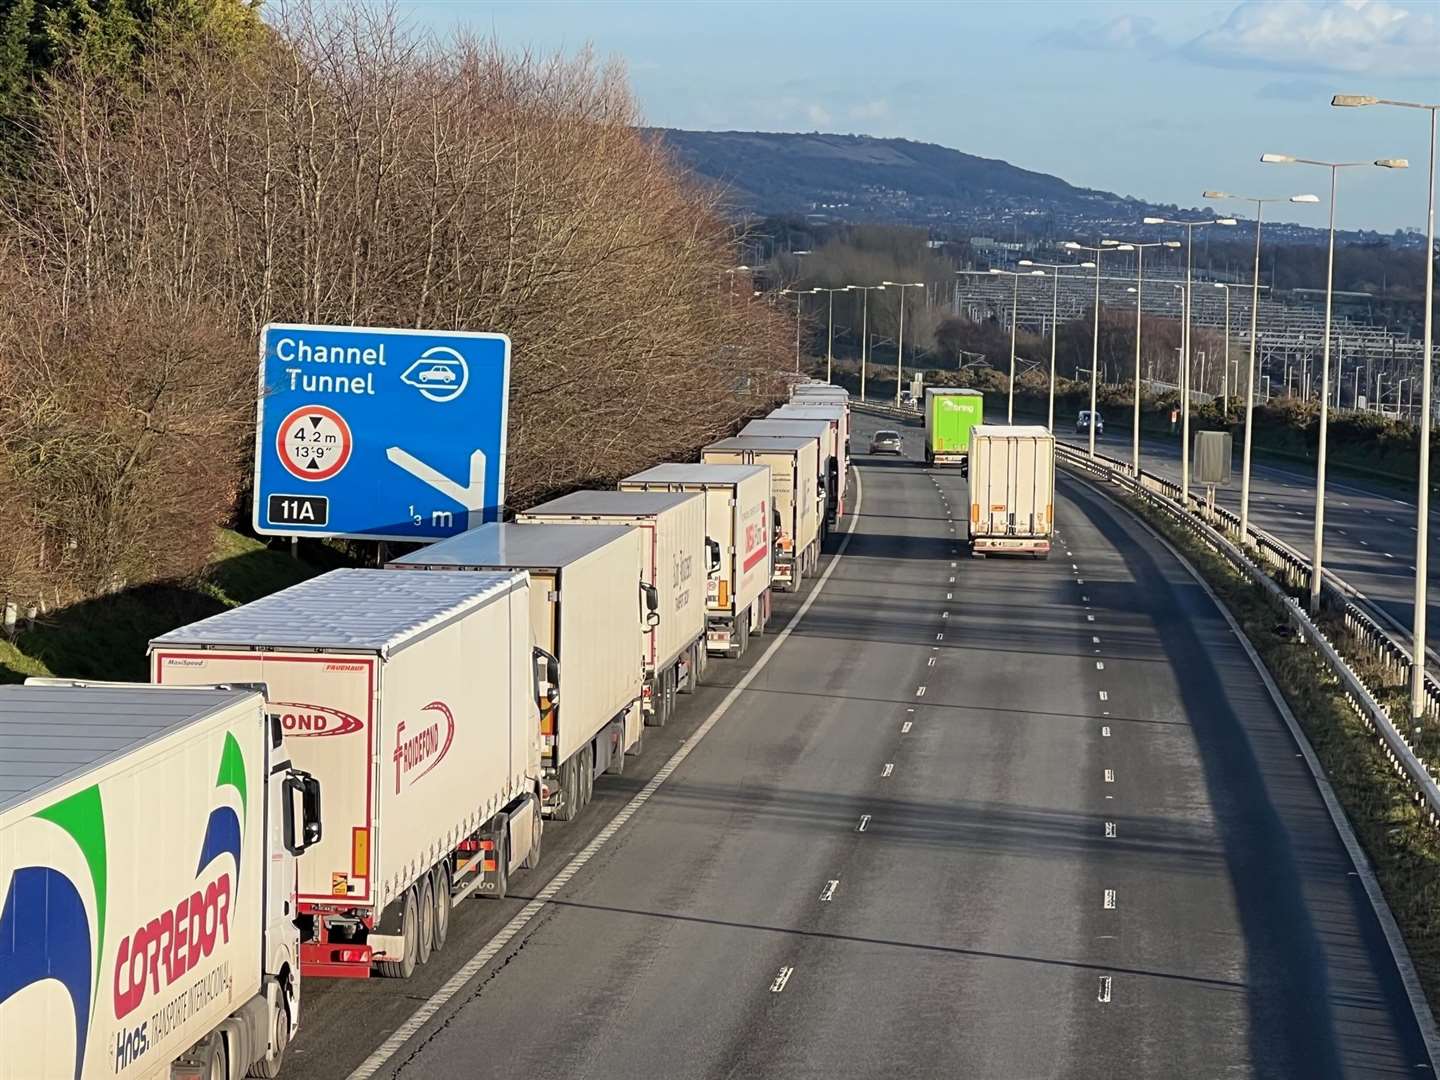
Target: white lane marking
[
  {"x": 920, "y": 691},
  {"x": 1104, "y": 989},
  {"x": 1344, "y": 533},
  {"x": 1099, "y": 665},
  {"x": 1104, "y": 695},
  {"x": 864, "y": 821},
  {"x": 939, "y": 637},
  {"x": 1094, "y": 640},
  {"x": 1109, "y": 901},
  {"x": 949, "y": 596},
  {"x": 1084, "y": 599},
  {"x": 905, "y": 727},
  {"x": 944, "y": 614},
  {"x": 1079, "y": 581},
  {"x": 1089, "y": 618},
  {"x": 1388, "y": 555},
  {"x": 1074, "y": 567},
  {"x": 931, "y": 663},
  {"x": 952, "y": 576},
  {"x": 1110, "y": 830},
  {"x": 781, "y": 979},
  {"x": 1364, "y": 543},
  {"x": 1391, "y": 520},
  {"x": 1105, "y": 731},
  {"x": 828, "y": 893},
  {"x": 1109, "y": 776},
  {"x": 889, "y": 768},
  {"x": 401, "y": 1035},
  {"x": 952, "y": 566}
]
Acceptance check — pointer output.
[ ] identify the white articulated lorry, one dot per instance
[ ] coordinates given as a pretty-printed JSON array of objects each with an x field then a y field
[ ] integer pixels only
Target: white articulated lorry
[
  {"x": 739, "y": 518},
  {"x": 674, "y": 555},
  {"x": 825, "y": 432},
  {"x": 1012, "y": 490},
  {"x": 795, "y": 487},
  {"x": 817, "y": 408},
  {"x": 586, "y": 610},
  {"x": 148, "y": 847},
  {"x": 414, "y": 702}
]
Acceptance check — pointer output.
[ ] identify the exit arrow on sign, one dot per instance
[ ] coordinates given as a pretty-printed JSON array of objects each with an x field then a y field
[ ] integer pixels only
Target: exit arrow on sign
[{"x": 471, "y": 496}]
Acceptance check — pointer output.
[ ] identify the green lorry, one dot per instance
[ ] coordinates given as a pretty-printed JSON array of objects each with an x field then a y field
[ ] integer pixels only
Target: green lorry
[{"x": 950, "y": 414}]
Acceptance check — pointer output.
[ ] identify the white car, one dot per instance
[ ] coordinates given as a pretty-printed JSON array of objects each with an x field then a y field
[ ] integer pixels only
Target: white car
[{"x": 437, "y": 374}]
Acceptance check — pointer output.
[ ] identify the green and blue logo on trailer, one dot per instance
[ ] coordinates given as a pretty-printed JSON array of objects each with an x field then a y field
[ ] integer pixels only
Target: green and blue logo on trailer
[{"x": 950, "y": 415}]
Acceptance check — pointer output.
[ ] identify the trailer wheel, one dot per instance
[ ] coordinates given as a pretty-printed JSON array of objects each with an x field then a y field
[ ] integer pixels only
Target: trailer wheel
[
  {"x": 268, "y": 1067},
  {"x": 702, "y": 652},
  {"x": 425, "y": 909},
  {"x": 671, "y": 690},
  {"x": 740, "y": 631},
  {"x": 440, "y": 888},
  {"x": 532, "y": 857},
  {"x": 405, "y": 966},
  {"x": 692, "y": 676},
  {"x": 502, "y": 866},
  {"x": 218, "y": 1058},
  {"x": 571, "y": 787},
  {"x": 587, "y": 774}
]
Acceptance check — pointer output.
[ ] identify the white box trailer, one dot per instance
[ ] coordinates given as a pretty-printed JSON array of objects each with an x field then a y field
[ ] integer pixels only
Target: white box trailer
[
  {"x": 673, "y": 560},
  {"x": 1012, "y": 489},
  {"x": 586, "y": 609},
  {"x": 739, "y": 518},
  {"x": 413, "y": 700},
  {"x": 148, "y": 845},
  {"x": 820, "y": 390},
  {"x": 836, "y": 411},
  {"x": 794, "y": 485},
  {"x": 826, "y": 433}
]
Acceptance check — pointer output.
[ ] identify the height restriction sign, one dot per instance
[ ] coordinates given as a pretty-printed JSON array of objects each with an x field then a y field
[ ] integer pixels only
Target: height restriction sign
[{"x": 381, "y": 434}]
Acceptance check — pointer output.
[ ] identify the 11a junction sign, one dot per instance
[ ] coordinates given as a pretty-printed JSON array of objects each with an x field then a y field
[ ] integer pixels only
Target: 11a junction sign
[{"x": 380, "y": 434}]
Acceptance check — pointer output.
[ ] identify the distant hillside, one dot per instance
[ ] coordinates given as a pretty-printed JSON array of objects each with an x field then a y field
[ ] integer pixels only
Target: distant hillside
[{"x": 856, "y": 177}]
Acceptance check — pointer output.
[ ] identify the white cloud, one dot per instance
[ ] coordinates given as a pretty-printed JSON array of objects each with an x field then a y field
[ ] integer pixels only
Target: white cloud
[
  {"x": 1120, "y": 34},
  {"x": 870, "y": 110},
  {"x": 818, "y": 115},
  {"x": 1349, "y": 36}
]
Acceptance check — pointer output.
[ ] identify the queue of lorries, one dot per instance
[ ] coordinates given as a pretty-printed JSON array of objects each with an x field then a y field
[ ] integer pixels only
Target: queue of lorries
[{"x": 312, "y": 781}]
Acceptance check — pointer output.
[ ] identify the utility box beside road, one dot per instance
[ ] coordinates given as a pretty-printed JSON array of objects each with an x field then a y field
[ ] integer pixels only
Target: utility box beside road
[
  {"x": 673, "y": 561},
  {"x": 950, "y": 417},
  {"x": 739, "y": 518},
  {"x": 1012, "y": 490}
]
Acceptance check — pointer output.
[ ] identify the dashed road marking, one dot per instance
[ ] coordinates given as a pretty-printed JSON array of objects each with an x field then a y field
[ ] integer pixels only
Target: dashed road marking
[
  {"x": 1094, "y": 640},
  {"x": 931, "y": 662},
  {"x": 944, "y": 614},
  {"x": 920, "y": 691},
  {"x": 949, "y": 596},
  {"x": 939, "y": 637},
  {"x": 1089, "y": 618},
  {"x": 905, "y": 728},
  {"x": 1100, "y": 665},
  {"x": 1079, "y": 581},
  {"x": 1105, "y": 731},
  {"x": 1110, "y": 830},
  {"x": 864, "y": 823},
  {"x": 888, "y": 769},
  {"x": 1109, "y": 902},
  {"x": 828, "y": 893},
  {"x": 1109, "y": 776},
  {"x": 1104, "y": 695},
  {"x": 781, "y": 979},
  {"x": 1104, "y": 989}
]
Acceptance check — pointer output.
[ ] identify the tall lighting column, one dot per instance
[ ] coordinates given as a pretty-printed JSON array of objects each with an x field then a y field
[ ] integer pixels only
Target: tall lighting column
[
  {"x": 1071, "y": 245},
  {"x": 1316, "y": 566},
  {"x": 865, "y": 291},
  {"x": 900, "y": 334},
  {"x": 830, "y": 333},
  {"x": 1055, "y": 269},
  {"x": 1015, "y": 276},
  {"x": 1422, "y": 501},
  {"x": 1189, "y": 227},
  {"x": 1139, "y": 296},
  {"x": 798, "y": 294}
]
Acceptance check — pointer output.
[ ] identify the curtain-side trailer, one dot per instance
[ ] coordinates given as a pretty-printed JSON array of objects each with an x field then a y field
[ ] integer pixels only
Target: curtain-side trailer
[
  {"x": 413, "y": 699},
  {"x": 586, "y": 610},
  {"x": 794, "y": 485},
  {"x": 673, "y": 560},
  {"x": 738, "y": 517},
  {"x": 148, "y": 847}
]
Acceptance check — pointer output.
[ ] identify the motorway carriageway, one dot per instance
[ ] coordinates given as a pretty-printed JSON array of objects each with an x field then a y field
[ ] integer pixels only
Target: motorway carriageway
[
  {"x": 1369, "y": 535},
  {"x": 999, "y": 819}
]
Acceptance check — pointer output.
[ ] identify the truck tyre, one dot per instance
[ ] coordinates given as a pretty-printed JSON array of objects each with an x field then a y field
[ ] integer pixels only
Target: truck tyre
[
  {"x": 532, "y": 857},
  {"x": 410, "y": 932},
  {"x": 671, "y": 690},
  {"x": 656, "y": 716},
  {"x": 268, "y": 1067},
  {"x": 617, "y": 761},
  {"x": 702, "y": 650},
  {"x": 740, "y": 631},
  {"x": 692, "y": 674},
  {"x": 587, "y": 774},
  {"x": 570, "y": 790},
  {"x": 425, "y": 910},
  {"x": 218, "y": 1059},
  {"x": 502, "y": 866},
  {"x": 440, "y": 888}
]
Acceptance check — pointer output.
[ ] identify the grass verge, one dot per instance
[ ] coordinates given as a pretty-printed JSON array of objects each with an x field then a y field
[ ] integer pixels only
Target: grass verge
[
  {"x": 1402, "y": 847},
  {"x": 106, "y": 638}
]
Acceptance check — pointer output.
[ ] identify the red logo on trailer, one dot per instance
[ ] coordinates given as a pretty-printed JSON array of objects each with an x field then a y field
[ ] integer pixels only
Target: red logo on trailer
[
  {"x": 427, "y": 747},
  {"x": 299, "y": 719}
]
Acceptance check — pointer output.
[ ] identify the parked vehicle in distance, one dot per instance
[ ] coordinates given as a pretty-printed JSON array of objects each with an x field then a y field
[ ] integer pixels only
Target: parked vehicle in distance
[
  {"x": 1082, "y": 423},
  {"x": 413, "y": 699},
  {"x": 1012, "y": 490},
  {"x": 887, "y": 442},
  {"x": 149, "y": 839},
  {"x": 738, "y": 518},
  {"x": 907, "y": 399},
  {"x": 951, "y": 413}
]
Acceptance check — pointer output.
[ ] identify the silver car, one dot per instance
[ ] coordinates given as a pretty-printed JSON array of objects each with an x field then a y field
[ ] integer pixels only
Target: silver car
[{"x": 887, "y": 442}]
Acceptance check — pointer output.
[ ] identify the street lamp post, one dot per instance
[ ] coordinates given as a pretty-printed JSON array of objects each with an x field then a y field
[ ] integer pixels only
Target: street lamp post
[
  {"x": 1097, "y": 251},
  {"x": 1055, "y": 269},
  {"x": 865, "y": 291},
  {"x": 900, "y": 334},
  {"x": 1015, "y": 276},
  {"x": 742, "y": 268},
  {"x": 1254, "y": 326},
  {"x": 1316, "y": 568},
  {"x": 798, "y": 293},
  {"x": 1422, "y": 501},
  {"x": 1139, "y": 297},
  {"x": 830, "y": 333},
  {"x": 1189, "y": 227}
]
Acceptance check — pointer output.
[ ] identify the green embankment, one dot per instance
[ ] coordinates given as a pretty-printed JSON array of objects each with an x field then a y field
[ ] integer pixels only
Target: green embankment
[{"x": 106, "y": 638}]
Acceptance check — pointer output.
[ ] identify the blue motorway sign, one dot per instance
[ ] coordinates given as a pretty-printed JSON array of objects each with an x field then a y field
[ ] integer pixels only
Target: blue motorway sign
[{"x": 379, "y": 434}]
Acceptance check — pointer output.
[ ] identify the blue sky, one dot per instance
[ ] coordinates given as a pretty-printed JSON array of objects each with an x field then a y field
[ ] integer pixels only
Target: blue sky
[{"x": 1160, "y": 100}]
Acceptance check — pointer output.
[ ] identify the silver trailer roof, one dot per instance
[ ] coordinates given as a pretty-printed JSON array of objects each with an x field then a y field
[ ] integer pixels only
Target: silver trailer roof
[
  {"x": 761, "y": 442},
  {"x": 1011, "y": 431},
  {"x": 366, "y": 610},
  {"x": 51, "y": 734},
  {"x": 624, "y": 503},
  {"x": 515, "y": 546},
  {"x": 788, "y": 425},
  {"x": 700, "y": 473}
]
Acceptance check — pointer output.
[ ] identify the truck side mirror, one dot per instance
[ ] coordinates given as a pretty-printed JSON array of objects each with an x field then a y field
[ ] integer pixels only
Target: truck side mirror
[
  {"x": 712, "y": 557},
  {"x": 310, "y": 829},
  {"x": 652, "y": 604},
  {"x": 547, "y": 676}
]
